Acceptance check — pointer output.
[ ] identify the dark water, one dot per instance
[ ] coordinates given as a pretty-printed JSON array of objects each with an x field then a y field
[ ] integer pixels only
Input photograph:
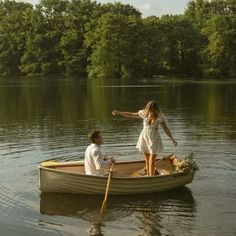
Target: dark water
[{"x": 42, "y": 119}]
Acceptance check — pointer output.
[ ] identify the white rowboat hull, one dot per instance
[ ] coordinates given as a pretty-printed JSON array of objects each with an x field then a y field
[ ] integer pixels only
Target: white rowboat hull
[{"x": 56, "y": 180}]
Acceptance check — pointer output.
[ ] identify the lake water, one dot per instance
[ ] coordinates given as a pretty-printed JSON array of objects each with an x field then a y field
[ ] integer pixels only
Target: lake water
[{"x": 49, "y": 119}]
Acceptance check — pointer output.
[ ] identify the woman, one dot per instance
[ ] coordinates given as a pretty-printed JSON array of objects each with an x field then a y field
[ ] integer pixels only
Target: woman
[{"x": 149, "y": 141}]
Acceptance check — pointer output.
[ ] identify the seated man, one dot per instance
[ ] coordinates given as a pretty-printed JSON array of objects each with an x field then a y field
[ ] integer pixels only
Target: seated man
[{"x": 94, "y": 162}]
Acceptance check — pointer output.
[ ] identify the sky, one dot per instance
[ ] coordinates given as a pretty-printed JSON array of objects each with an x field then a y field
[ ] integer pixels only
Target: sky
[{"x": 149, "y": 7}]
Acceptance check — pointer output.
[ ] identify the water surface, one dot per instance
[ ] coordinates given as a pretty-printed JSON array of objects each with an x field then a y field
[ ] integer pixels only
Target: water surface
[{"x": 49, "y": 118}]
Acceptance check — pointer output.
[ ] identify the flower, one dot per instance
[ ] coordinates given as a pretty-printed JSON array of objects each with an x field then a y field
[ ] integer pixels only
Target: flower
[{"x": 189, "y": 164}]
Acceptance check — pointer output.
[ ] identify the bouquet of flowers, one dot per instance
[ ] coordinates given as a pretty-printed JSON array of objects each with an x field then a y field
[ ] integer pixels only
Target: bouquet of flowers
[{"x": 189, "y": 164}]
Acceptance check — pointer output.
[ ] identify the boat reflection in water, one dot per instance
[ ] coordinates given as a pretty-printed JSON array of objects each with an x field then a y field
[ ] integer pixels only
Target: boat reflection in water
[{"x": 153, "y": 211}]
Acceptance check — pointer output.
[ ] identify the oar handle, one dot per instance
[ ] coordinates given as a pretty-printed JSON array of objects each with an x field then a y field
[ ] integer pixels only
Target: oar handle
[
  {"x": 111, "y": 168},
  {"x": 109, "y": 180}
]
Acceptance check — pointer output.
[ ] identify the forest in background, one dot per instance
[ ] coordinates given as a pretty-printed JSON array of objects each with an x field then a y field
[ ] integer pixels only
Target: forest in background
[{"x": 86, "y": 38}]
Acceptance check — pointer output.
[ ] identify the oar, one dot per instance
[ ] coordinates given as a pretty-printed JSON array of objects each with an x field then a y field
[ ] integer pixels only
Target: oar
[{"x": 103, "y": 208}]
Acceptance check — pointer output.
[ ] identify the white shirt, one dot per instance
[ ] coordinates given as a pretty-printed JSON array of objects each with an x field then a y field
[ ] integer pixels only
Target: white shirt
[{"x": 94, "y": 162}]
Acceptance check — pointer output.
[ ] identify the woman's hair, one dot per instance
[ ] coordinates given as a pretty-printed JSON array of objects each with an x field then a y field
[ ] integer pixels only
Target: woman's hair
[
  {"x": 151, "y": 111},
  {"x": 93, "y": 135}
]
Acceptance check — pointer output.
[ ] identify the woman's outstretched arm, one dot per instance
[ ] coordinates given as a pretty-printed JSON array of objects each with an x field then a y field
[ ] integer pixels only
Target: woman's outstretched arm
[
  {"x": 167, "y": 131},
  {"x": 126, "y": 114}
]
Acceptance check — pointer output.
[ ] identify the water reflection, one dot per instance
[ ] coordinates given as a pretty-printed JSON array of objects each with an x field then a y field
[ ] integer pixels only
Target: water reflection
[
  {"x": 95, "y": 229},
  {"x": 61, "y": 103},
  {"x": 150, "y": 210}
]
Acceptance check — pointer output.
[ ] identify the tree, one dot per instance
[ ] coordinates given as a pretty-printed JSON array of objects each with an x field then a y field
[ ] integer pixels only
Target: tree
[
  {"x": 152, "y": 45},
  {"x": 114, "y": 44},
  {"x": 220, "y": 53},
  {"x": 12, "y": 36},
  {"x": 71, "y": 45},
  {"x": 42, "y": 54},
  {"x": 216, "y": 22},
  {"x": 118, "y": 8},
  {"x": 112, "y": 40},
  {"x": 180, "y": 46},
  {"x": 200, "y": 11}
]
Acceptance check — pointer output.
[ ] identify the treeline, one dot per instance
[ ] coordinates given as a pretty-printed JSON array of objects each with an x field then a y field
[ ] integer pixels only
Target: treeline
[{"x": 83, "y": 37}]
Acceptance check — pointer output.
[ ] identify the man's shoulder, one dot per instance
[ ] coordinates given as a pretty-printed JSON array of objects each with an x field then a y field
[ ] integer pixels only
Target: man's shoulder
[{"x": 92, "y": 148}]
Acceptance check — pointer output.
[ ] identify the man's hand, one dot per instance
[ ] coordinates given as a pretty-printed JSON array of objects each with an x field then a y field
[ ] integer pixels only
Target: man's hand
[{"x": 112, "y": 159}]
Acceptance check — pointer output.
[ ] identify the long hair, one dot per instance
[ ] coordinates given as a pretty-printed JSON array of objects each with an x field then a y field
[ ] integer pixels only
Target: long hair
[{"x": 151, "y": 112}]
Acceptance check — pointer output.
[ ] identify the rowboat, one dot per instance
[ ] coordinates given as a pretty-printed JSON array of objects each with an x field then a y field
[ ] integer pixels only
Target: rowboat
[{"x": 128, "y": 177}]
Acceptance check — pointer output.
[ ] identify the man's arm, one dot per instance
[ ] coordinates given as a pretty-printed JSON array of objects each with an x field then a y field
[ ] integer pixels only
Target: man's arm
[{"x": 100, "y": 161}]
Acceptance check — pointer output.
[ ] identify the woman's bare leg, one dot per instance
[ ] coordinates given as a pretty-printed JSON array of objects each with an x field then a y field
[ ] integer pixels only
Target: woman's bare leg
[
  {"x": 147, "y": 159},
  {"x": 152, "y": 160}
]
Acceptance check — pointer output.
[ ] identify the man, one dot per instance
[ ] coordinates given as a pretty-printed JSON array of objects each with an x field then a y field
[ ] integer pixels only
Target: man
[{"x": 94, "y": 162}]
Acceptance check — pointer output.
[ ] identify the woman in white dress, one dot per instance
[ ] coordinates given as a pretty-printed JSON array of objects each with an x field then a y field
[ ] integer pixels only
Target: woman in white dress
[{"x": 149, "y": 141}]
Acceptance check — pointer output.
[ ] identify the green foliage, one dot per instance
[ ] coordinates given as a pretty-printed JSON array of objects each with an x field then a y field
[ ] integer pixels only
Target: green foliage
[
  {"x": 71, "y": 45},
  {"x": 12, "y": 35},
  {"x": 189, "y": 164},
  {"x": 220, "y": 52},
  {"x": 119, "y": 9},
  {"x": 216, "y": 20},
  {"x": 84, "y": 37},
  {"x": 114, "y": 44},
  {"x": 42, "y": 53},
  {"x": 180, "y": 46},
  {"x": 152, "y": 46}
]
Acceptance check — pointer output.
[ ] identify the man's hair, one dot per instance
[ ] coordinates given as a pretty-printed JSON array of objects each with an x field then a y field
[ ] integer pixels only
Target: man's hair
[{"x": 93, "y": 135}]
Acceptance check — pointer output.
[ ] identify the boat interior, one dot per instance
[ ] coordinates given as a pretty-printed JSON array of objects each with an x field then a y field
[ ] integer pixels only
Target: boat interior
[{"x": 164, "y": 166}]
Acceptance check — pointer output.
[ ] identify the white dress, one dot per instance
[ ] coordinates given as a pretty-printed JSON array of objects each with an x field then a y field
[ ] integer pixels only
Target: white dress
[{"x": 150, "y": 140}]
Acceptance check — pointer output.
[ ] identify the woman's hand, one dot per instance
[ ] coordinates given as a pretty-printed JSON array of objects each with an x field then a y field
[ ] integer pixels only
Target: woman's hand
[
  {"x": 115, "y": 112},
  {"x": 174, "y": 142}
]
